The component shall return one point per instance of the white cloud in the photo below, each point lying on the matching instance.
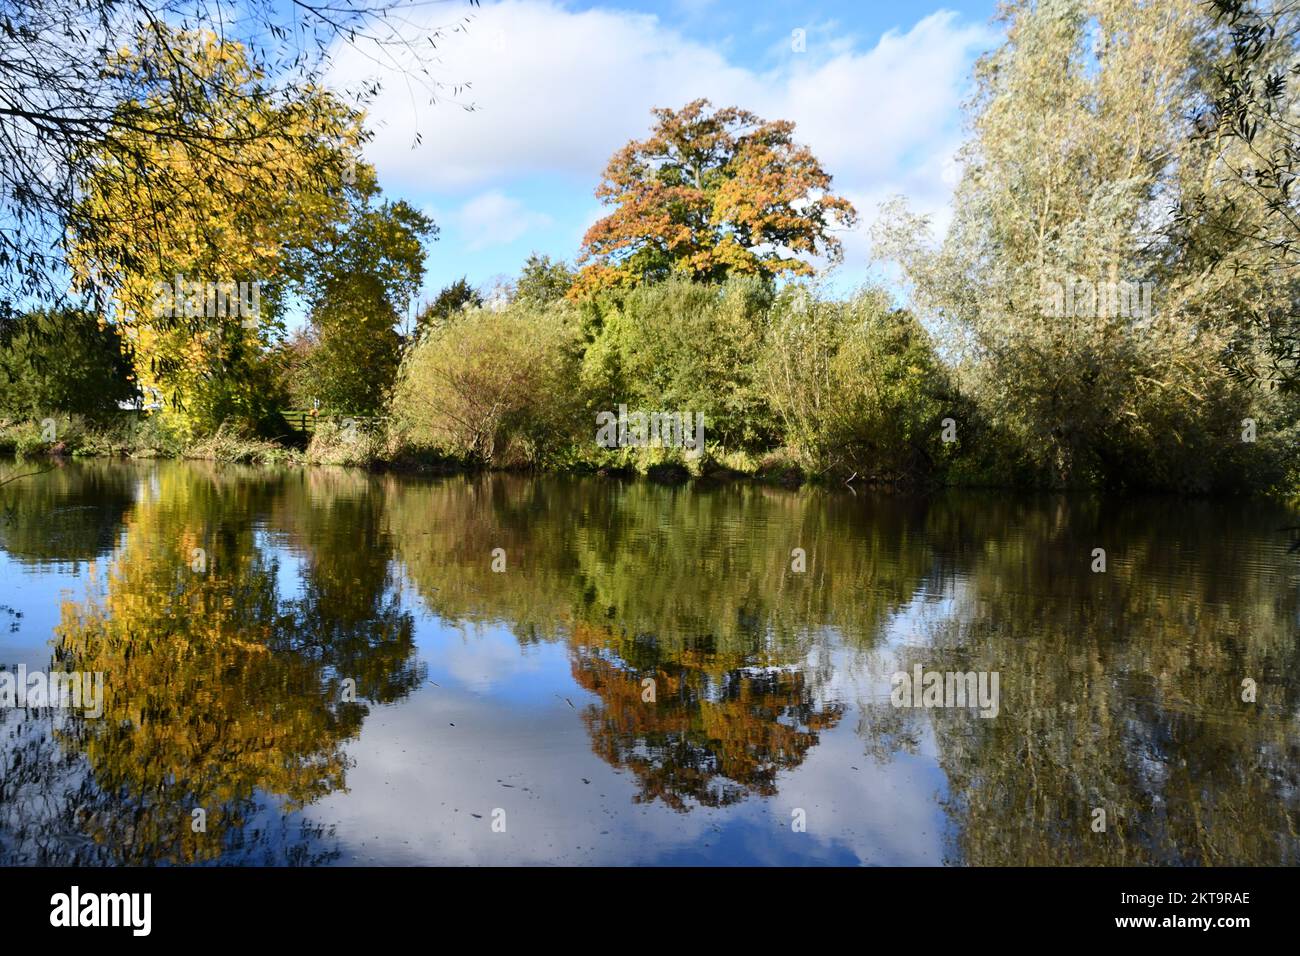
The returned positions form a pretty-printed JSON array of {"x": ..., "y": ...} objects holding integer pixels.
[
  {"x": 556, "y": 91},
  {"x": 493, "y": 218}
]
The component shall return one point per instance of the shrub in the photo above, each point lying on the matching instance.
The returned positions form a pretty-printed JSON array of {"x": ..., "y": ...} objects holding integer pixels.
[
  {"x": 334, "y": 444},
  {"x": 687, "y": 346},
  {"x": 492, "y": 387},
  {"x": 856, "y": 386}
]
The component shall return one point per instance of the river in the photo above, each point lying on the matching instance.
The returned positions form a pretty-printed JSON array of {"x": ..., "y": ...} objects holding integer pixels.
[{"x": 313, "y": 666}]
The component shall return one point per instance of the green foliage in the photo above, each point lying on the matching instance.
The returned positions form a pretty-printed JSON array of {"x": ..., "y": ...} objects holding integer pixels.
[
  {"x": 844, "y": 386},
  {"x": 23, "y": 439},
  {"x": 1082, "y": 141},
  {"x": 856, "y": 386},
  {"x": 250, "y": 402},
  {"x": 62, "y": 361},
  {"x": 357, "y": 350},
  {"x": 682, "y": 346},
  {"x": 493, "y": 387},
  {"x": 1238, "y": 221},
  {"x": 450, "y": 302},
  {"x": 133, "y": 435},
  {"x": 542, "y": 281},
  {"x": 360, "y": 278}
]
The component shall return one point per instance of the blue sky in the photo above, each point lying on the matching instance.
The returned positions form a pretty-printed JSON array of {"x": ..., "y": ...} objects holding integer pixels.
[{"x": 558, "y": 86}]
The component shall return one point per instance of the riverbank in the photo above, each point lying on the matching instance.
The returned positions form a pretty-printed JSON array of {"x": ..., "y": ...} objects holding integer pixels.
[
  {"x": 140, "y": 437},
  {"x": 332, "y": 444}
]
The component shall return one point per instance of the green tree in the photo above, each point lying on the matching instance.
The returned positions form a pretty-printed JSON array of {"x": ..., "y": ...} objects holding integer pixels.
[
  {"x": 450, "y": 302},
  {"x": 62, "y": 360},
  {"x": 1081, "y": 140},
  {"x": 691, "y": 347},
  {"x": 360, "y": 277},
  {"x": 356, "y": 356},
  {"x": 1238, "y": 221},
  {"x": 542, "y": 280}
]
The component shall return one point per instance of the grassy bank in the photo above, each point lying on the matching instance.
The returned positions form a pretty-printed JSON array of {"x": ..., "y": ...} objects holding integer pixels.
[
  {"x": 140, "y": 437},
  {"x": 388, "y": 449},
  {"x": 132, "y": 436}
]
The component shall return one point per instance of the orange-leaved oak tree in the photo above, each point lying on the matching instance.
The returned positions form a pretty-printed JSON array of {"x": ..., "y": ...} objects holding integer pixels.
[{"x": 709, "y": 194}]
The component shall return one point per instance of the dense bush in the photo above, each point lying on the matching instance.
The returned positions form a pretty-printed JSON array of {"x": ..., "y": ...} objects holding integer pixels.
[
  {"x": 493, "y": 387},
  {"x": 797, "y": 385},
  {"x": 62, "y": 361},
  {"x": 681, "y": 346},
  {"x": 855, "y": 385}
]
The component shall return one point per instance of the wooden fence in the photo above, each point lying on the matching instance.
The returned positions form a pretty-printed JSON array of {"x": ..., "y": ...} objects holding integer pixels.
[{"x": 305, "y": 423}]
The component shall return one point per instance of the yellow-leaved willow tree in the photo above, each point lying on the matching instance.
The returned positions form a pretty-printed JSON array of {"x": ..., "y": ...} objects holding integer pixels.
[
  {"x": 220, "y": 693},
  {"x": 206, "y": 184}
]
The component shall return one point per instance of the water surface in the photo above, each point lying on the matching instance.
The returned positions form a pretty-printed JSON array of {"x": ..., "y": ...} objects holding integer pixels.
[{"x": 648, "y": 681}]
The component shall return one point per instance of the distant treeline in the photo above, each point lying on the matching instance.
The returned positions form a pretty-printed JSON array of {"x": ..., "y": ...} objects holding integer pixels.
[{"x": 792, "y": 386}]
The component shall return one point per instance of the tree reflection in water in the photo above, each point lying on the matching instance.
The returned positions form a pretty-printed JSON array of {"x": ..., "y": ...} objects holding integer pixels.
[{"x": 226, "y": 686}]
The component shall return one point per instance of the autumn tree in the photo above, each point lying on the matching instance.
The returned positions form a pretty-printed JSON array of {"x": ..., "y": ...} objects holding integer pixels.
[
  {"x": 711, "y": 193},
  {"x": 63, "y": 108},
  {"x": 207, "y": 365}
]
